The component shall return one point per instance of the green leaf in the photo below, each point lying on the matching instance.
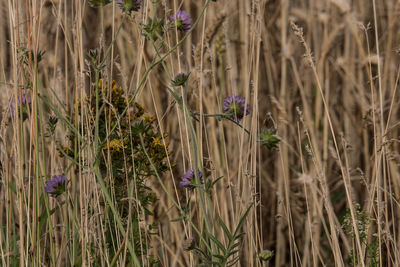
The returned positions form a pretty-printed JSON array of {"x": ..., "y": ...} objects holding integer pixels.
[
  {"x": 12, "y": 187},
  {"x": 225, "y": 228},
  {"x": 46, "y": 215},
  {"x": 211, "y": 185},
  {"x": 232, "y": 262},
  {"x": 234, "y": 245},
  {"x": 56, "y": 111},
  {"x": 178, "y": 219},
  {"x": 269, "y": 138},
  {"x": 219, "y": 244},
  {"x": 176, "y": 96},
  {"x": 232, "y": 252},
  {"x": 116, "y": 256},
  {"x": 242, "y": 220},
  {"x": 219, "y": 257},
  {"x": 238, "y": 236}
]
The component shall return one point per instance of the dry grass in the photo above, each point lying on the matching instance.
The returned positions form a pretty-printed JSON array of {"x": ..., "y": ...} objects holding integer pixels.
[{"x": 324, "y": 73}]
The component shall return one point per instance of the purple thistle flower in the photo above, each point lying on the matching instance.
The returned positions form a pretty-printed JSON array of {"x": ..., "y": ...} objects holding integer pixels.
[
  {"x": 56, "y": 186},
  {"x": 234, "y": 107},
  {"x": 26, "y": 101},
  {"x": 182, "y": 20},
  {"x": 185, "y": 183},
  {"x": 129, "y": 5},
  {"x": 188, "y": 177}
]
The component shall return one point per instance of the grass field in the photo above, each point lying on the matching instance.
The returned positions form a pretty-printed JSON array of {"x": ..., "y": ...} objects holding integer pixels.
[{"x": 199, "y": 133}]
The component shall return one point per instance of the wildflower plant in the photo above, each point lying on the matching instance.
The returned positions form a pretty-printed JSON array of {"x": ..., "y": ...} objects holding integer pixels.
[
  {"x": 269, "y": 138},
  {"x": 154, "y": 29},
  {"x": 182, "y": 20},
  {"x": 265, "y": 255},
  {"x": 235, "y": 107},
  {"x": 129, "y": 5},
  {"x": 23, "y": 106},
  {"x": 56, "y": 186},
  {"x": 24, "y": 102},
  {"x": 224, "y": 255},
  {"x": 112, "y": 137},
  {"x": 180, "y": 79},
  {"x": 188, "y": 177},
  {"x": 51, "y": 126},
  {"x": 362, "y": 222},
  {"x": 116, "y": 162},
  {"x": 30, "y": 56}
]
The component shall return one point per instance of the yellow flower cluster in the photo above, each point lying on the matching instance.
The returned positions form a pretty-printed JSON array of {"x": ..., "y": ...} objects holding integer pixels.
[
  {"x": 115, "y": 145},
  {"x": 148, "y": 118},
  {"x": 156, "y": 142}
]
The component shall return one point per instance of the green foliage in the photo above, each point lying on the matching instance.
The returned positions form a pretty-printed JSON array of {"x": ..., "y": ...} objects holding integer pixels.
[
  {"x": 362, "y": 220},
  {"x": 130, "y": 5},
  {"x": 154, "y": 29},
  {"x": 210, "y": 184},
  {"x": 226, "y": 255},
  {"x": 29, "y": 56},
  {"x": 51, "y": 125},
  {"x": 180, "y": 79},
  {"x": 127, "y": 150},
  {"x": 122, "y": 159},
  {"x": 266, "y": 255},
  {"x": 269, "y": 139}
]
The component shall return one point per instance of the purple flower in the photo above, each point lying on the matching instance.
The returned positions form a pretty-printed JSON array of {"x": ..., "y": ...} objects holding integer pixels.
[
  {"x": 188, "y": 177},
  {"x": 185, "y": 183},
  {"x": 234, "y": 107},
  {"x": 26, "y": 101},
  {"x": 129, "y": 5},
  {"x": 182, "y": 20},
  {"x": 56, "y": 186}
]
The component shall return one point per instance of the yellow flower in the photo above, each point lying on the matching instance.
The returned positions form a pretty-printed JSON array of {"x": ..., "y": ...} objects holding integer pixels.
[
  {"x": 114, "y": 145},
  {"x": 148, "y": 118},
  {"x": 115, "y": 86},
  {"x": 156, "y": 142}
]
